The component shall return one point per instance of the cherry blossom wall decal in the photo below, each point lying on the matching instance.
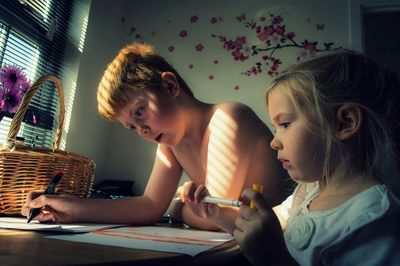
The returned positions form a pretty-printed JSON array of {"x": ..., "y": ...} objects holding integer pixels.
[
  {"x": 264, "y": 55},
  {"x": 273, "y": 37}
]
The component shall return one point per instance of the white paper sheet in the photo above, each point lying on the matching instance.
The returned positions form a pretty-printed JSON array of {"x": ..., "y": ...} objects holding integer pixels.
[
  {"x": 185, "y": 241},
  {"x": 21, "y": 224}
]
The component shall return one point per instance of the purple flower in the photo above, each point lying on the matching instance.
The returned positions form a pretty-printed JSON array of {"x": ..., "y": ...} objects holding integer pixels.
[
  {"x": 11, "y": 76},
  {"x": 13, "y": 85},
  {"x": 10, "y": 100}
]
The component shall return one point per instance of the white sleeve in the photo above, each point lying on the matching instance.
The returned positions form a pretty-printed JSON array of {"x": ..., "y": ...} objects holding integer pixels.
[{"x": 282, "y": 211}]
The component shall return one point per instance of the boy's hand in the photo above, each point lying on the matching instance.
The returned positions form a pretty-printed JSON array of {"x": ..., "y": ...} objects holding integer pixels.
[
  {"x": 56, "y": 208},
  {"x": 192, "y": 195},
  {"x": 258, "y": 231}
]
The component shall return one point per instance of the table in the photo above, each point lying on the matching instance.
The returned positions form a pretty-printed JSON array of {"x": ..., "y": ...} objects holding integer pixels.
[{"x": 28, "y": 248}]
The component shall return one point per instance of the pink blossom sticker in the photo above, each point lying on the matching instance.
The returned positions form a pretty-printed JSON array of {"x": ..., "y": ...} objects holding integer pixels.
[
  {"x": 183, "y": 33},
  {"x": 291, "y": 35},
  {"x": 241, "y": 18},
  {"x": 215, "y": 20},
  {"x": 34, "y": 119},
  {"x": 199, "y": 47},
  {"x": 193, "y": 19},
  {"x": 277, "y": 20}
]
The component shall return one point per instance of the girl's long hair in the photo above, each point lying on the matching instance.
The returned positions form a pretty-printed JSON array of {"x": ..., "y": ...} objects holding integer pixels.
[{"x": 319, "y": 86}]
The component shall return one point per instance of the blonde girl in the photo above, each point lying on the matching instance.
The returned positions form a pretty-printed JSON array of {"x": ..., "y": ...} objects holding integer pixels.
[{"x": 336, "y": 120}]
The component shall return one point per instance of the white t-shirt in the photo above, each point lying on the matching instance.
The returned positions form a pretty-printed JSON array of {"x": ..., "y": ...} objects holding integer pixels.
[{"x": 364, "y": 230}]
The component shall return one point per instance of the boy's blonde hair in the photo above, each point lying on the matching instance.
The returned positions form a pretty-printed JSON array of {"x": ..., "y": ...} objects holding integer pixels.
[
  {"x": 136, "y": 67},
  {"x": 319, "y": 86}
]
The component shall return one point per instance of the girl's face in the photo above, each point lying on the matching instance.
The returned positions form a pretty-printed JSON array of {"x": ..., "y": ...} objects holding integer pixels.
[
  {"x": 299, "y": 150},
  {"x": 154, "y": 116}
]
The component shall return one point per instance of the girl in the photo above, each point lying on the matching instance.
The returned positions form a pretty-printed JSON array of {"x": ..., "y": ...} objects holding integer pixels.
[
  {"x": 336, "y": 118},
  {"x": 221, "y": 145}
]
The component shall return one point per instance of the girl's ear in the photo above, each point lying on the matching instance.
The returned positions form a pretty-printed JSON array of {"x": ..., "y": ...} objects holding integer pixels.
[
  {"x": 349, "y": 118},
  {"x": 170, "y": 83}
]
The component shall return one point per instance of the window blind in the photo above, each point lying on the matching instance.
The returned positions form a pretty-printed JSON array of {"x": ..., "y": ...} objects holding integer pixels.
[{"x": 33, "y": 35}]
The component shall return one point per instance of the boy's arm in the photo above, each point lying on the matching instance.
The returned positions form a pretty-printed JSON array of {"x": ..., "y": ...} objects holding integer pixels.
[
  {"x": 146, "y": 209},
  {"x": 195, "y": 221}
]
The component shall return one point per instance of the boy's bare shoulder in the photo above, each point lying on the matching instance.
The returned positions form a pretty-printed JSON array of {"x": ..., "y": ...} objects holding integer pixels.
[
  {"x": 238, "y": 112},
  {"x": 235, "y": 108},
  {"x": 245, "y": 123}
]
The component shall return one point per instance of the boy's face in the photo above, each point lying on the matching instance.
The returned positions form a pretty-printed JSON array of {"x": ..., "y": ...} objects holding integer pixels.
[
  {"x": 299, "y": 150},
  {"x": 154, "y": 116}
]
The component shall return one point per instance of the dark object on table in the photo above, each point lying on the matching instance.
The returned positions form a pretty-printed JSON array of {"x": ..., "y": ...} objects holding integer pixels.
[{"x": 112, "y": 189}]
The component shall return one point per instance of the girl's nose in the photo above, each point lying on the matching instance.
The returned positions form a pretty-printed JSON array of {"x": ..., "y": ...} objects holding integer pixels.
[{"x": 275, "y": 144}]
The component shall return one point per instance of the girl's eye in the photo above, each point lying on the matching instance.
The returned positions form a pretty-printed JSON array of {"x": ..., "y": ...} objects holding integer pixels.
[
  {"x": 284, "y": 124},
  {"x": 132, "y": 127}
]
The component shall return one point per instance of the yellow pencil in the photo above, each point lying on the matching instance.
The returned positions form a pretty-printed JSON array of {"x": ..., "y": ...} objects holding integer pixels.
[{"x": 258, "y": 188}]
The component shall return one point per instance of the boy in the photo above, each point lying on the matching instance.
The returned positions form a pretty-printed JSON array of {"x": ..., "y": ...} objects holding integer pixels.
[{"x": 222, "y": 146}]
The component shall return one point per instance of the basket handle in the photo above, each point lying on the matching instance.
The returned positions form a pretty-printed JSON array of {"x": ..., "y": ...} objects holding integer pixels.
[{"x": 19, "y": 115}]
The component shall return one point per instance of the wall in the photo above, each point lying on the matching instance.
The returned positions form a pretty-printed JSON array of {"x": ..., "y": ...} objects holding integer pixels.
[
  {"x": 122, "y": 155},
  {"x": 89, "y": 134}
]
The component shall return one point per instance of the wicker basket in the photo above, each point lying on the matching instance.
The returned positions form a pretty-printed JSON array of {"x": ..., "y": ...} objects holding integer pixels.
[{"x": 23, "y": 168}]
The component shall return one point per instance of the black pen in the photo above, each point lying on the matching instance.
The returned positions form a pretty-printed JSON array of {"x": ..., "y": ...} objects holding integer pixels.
[{"x": 49, "y": 191}]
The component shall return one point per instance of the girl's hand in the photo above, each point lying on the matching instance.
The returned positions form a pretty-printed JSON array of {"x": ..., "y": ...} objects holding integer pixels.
[
  {"x": 192, "y": 195},
  {"x": 56, "y": 208},
  {"x": 258, "y": 232}
]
